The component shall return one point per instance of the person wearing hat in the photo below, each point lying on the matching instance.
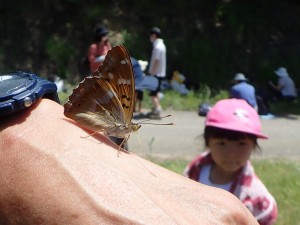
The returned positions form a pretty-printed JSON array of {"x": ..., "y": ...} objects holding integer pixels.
[
  {"x": 232, "y": 128},
  {"x": 99, "y": 48},
  {"x": 157, "y": 68},
  {"x": 285, "y": 88},
  {"x": 243, "y": 90}
]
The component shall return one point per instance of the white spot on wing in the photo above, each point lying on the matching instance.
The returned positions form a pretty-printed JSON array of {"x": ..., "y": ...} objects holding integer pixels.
[
  {"x": 100, "y": 75},
  {"x": 120, "y": 81},
  {"x": 123, "y": 62},
  {"x": 123, "y": 81},
  {"x": 110, "y": 94},
  {"x": 110, "y": 76},
  {"x": 104, "y": 99}
]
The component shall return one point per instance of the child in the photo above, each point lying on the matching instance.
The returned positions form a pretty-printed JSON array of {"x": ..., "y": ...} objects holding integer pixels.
[{"x": 232, "y": 127}]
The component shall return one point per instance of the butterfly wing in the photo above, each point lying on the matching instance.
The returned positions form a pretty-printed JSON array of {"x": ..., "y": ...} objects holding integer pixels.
[
  {"x": 117, "y": 70},
  {"x": 95, "y": 105}
]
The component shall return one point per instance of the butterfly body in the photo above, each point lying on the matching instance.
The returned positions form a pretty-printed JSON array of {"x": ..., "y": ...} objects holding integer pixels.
[
  {"x": 104, "y": 101},
  {"x": 110, "y": 127}
]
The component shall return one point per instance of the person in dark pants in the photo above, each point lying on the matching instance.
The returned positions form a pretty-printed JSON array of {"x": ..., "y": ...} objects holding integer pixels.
[{"x": 157, "y": 67}]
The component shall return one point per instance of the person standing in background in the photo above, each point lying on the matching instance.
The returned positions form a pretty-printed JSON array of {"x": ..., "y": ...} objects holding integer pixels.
[
  {"x": 96, "y": 55},
  {"x": 99, "y": 48},
  {"x": 157, "y": 68}
]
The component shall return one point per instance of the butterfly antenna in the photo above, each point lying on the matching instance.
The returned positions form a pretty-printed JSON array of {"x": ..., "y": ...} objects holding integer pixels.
[
  {"x": 145, "y": 121},
  {"x": 140, "y": 142}
]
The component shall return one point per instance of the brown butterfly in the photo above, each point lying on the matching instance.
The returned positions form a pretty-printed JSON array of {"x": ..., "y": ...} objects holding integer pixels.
[{"x": 104, "y": 101}]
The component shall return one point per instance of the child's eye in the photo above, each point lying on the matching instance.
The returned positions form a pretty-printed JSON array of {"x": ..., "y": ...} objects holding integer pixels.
[
  {"x": 243, "y": 143},
  {"x": 222, "y": 143}
]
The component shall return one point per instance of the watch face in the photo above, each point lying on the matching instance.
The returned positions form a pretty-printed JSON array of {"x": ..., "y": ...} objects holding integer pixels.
[
  {"x": 14, "y": 84},
  {"x": 20, "y": 90}
]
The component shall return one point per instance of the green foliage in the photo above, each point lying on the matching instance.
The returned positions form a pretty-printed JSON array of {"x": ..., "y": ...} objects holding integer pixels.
[
  {"x": 63, "y": 96},
  {"x": 172, "y": 99},
  {"x": 60, "y": 52},
  {"x": 175, "y": 101},
  {"x": 190, "y": 102},
  {"x": 286, "y": 107},
  {"x": 58, "y": 49},
  {"x": 209, "y": 40},
  {"x": 282, "y": 178}
]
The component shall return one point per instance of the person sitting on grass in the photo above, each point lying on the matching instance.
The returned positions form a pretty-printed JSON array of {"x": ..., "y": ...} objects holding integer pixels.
[
  {"x": 232, "y": 127},
  {"x": 285, "y": 88},
  {"x": 243, "y": 90}
]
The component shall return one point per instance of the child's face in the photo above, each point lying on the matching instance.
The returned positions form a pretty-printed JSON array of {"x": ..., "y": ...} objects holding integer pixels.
[{"x": 230, "y": 155}]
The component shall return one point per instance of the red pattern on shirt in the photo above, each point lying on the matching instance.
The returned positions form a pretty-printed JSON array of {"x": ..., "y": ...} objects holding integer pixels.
[{"x": 246, "y": 186}]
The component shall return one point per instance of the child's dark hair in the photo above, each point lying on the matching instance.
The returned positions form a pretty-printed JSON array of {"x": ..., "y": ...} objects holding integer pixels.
[{"x": 215, "y": 132}]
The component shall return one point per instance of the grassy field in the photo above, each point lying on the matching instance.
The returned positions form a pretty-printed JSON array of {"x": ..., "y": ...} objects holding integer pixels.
[
  {"x": 172, "y": 99},
  {"x": 282, "y": 178},
  {"x": 175, "y": 101}
]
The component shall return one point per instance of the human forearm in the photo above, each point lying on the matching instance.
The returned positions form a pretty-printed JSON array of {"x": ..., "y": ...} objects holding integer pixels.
[
  {"x": 154, "y": 67},
  {"x": 51, "y": 175},
  {"x": 276, "y": 87}
]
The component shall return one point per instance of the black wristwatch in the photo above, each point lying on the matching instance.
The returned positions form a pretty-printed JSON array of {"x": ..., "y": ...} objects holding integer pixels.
[{"x": 19, "y": 90}]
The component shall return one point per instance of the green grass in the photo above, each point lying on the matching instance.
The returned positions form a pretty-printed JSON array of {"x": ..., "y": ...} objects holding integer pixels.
[
  {"x": 281, "y": 177},
  {"x": 175, "y": 101},
  {"x": 190, "y": 102},
  {"x": 283, "y": 180},
  {"x": 284, "y": 107}
]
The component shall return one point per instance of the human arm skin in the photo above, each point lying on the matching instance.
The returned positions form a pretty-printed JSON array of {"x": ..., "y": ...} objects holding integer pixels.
[
  {"x": 278, "y": 87},
  {"x": 51, "y": 175},
  {"x": 154, "y": 67}
]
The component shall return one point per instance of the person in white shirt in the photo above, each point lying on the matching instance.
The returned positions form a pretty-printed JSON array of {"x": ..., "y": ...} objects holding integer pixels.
[
  {"x": 157, "y": 68},
  {"x": 285, "y": 88}
]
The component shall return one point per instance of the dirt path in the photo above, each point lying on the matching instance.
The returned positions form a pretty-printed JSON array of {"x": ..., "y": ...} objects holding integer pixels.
[{"x": 184, "y": 140}]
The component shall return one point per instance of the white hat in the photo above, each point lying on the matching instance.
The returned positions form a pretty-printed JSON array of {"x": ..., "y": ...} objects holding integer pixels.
[
  {"x": 240, "y": 77},
  {"x": 281, "y": 72}
]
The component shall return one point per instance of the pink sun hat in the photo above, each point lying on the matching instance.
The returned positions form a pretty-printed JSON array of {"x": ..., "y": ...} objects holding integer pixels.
[{"x": 235, "y": 114}]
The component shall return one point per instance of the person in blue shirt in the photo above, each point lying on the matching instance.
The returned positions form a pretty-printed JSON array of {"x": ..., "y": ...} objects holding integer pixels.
[
  {"x": 138, "y": 77},
  {"x": 243, "y": 90}
]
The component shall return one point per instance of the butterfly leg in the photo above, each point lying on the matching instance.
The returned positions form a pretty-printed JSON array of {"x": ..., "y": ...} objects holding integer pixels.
[
  {"x": 123, "y": 144},
  {"x": 96, "y": 132}
]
